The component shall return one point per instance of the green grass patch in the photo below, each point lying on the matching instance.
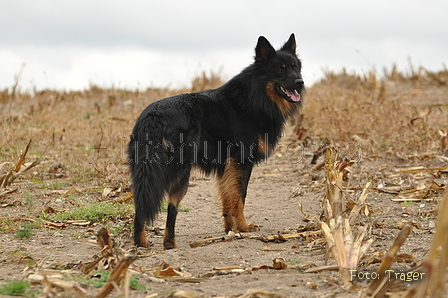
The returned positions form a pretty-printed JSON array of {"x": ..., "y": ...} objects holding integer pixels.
[
  {"x": 296, "y": 264},
  {"x": 99, "y": 278},
  {"x": 15, "y": 288},
  {"x": 37, "y": 181},
  {"x": 7, "y": 225},
  {"x": 57, "y": 185},
  {"x": 96, "y": 212},
  {"x": 80, "y": 179},
  {"x": 79, "y": 235},
  {"x": 21, "y": 255},
  {"x": 29, "y": 201},
  {"x": 134, "y": 283},
  {"x": 27, "y": 196},
  {"x": 406, "y": 203},
  {"x": 117, "y": 228},
  {"x": 25, "y": 231},
  {"x": 52, "y": 186}
]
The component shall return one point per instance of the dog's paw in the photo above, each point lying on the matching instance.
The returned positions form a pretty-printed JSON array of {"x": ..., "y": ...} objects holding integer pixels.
[
  {"x": 140, "y": 240},
  {"x": 169, "y": 244},
  {"x": 144, "y": 244}
]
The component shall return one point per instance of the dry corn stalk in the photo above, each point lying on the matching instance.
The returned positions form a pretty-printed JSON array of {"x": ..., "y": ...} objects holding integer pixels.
[
  {"x": 435, "y": 266},
  {"x": 120, "y": 273},
  {"x": 336, "y": 169},
  {"x": 379, "y": 286},
  {"x": 333, "y": 183},
  {"x": 360, "y": 203},
  {"x": 345, "y": 249},
  {"x": 54, "y": 287},
  {"x": 8, "y": 178},
  {"x": 106, "y": 258}
]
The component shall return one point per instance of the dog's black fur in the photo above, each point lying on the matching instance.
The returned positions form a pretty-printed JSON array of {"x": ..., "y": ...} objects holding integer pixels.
[{"x": 224, "y": 132}]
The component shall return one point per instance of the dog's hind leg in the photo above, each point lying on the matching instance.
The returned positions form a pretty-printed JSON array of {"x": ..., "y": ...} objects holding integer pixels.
[
  {"x": 232, "y": 186},
  {"x": 176, "y": 192},
  {"x": 139, "y": 232}
]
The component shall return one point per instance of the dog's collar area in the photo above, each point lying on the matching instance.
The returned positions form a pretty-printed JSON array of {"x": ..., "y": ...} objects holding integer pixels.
[{"x": 290, "y": 95}]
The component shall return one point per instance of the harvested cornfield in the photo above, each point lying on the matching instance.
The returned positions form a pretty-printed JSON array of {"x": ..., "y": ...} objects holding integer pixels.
[{"x": 349, "y": 204}]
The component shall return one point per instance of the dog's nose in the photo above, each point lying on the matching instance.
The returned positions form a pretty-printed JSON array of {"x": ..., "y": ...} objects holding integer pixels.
[{"x": 299, "y": 82}]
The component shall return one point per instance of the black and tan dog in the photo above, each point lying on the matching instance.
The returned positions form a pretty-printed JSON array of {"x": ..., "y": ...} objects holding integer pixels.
[{"x": 224, "y": 131}]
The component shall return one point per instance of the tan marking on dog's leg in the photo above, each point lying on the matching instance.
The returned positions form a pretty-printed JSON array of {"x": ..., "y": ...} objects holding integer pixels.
[
  {"x": 140, "y": 238},
  {"x": 229, "y": 189},
  {"x": 169, "y": 241}
]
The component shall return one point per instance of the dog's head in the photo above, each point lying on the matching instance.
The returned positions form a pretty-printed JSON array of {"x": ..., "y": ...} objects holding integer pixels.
[{"x": 281, "y": 69}]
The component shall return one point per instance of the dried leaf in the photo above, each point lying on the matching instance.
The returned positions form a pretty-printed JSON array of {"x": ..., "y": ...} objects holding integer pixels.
[
  {"x": 312, "y": 285},
  {"x": 227, "y": 268},
  {"x": 283, "y": 237},
  {"x": 256, "y": 293},
  {"x": 266, "y": 248},
  {"x": 321, "y": 268},
  {"x": 279, "y": 263},
  {"x": 54, "y": 225},
  {"x": 436, "y": 186},
  {"x": 49, "y": 273},
  {"x": 126, "y": 199},
  {"x": 71, "y": 191},
  {"x": 165, "y": 271},
  {"x": 79, "y": 222},
  {"x": 410, "y": 170},
  {"x": 208, "y": 241},
  {"x": 8, "y": 192},
  {"x": 116, "y": 276},
  {"x": 182, "y": 294},
  {"x": 307, "y": 216},
  {"x": 404, "y": 257}
]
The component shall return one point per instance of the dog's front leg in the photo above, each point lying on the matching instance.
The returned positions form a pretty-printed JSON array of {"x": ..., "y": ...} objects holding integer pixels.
[{"x": 232, "y": 187}]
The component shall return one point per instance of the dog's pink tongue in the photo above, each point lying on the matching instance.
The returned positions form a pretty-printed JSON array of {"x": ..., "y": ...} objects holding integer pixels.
[{"x": 294, "y": 95}]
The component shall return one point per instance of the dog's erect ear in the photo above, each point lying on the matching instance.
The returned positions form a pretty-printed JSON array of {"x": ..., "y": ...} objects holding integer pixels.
[
  {"x": 263, "y": 50},
  {"x": 290, "y": 45}
]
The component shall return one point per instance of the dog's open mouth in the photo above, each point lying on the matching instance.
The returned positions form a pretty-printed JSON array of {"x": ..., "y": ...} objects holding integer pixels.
[{"x": 290, "y": 95}]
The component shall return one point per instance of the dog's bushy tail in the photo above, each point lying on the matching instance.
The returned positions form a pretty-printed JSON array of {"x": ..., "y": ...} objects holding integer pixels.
[
  {"x": 150, "y": 178},
  {"x": 149, "y": 191}
]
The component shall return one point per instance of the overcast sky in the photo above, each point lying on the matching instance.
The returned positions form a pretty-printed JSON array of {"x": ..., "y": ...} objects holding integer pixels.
[{"x": 140, "y": 43}]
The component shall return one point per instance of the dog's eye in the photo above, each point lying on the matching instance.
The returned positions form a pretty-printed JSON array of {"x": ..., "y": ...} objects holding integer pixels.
[
  {"x": 282, "y": 68},
  {"x": 294, "y": 66}
]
